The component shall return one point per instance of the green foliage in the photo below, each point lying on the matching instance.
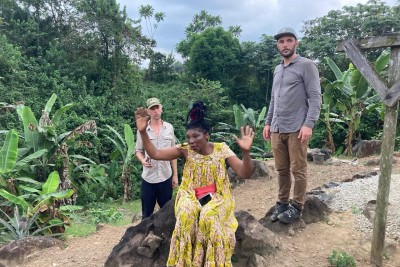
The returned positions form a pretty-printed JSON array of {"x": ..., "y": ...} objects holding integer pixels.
[
  {"x": 352, "y": 97},
  {"x": 81, "y": 229},
  {"x": 42, "y": 199},
  {"x": 13, "y": 160},
  {"x": 9, "y": 152},
  {"x": 161, "y": 68},
  {"x": 341, "y": 259},
  {"x": 10, "y": 59},
  {"x": 97, "y": 183},
  {"x": 253, "y": 80},
  {"x": 99, "y": 215},
  {"x": 147, "y": 12},
  {"x": 125, "y": 148},
  {"x": 20, "y": 226},
  {"x": 356, "y": 210},
  {"x": 373, "y": 18},
  {"x": 214, "y": 55},
  {"x": 244, "y": 116}
]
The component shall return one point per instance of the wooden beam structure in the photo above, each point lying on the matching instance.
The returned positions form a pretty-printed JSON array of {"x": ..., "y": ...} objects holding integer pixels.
[
  {"x": 389, "y": 40},
  {"x": 390, "y": 97}
]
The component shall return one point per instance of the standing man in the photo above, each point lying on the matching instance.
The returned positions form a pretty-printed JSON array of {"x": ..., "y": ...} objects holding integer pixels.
[
  {"x": 293, "y": 110},
  {"x": 158, "y": 178}
]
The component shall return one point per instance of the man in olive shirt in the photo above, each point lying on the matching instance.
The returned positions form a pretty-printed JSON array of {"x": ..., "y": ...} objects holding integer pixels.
[{"x": 293, "y": 110}]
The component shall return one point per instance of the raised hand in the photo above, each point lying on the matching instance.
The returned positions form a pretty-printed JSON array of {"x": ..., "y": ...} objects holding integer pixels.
[
  {"x": 247, "y": 136},
  {"x": 141, "y": 118}
]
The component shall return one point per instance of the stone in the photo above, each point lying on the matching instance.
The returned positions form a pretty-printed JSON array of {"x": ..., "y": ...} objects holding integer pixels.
[
  {"x": 369, "y": 210},
  {"x": 254, "y": 241},
  {"x": 18, "y": 251},
  {"x": 145, "y": 251},
  {"x": 257, "y": 261},
  {"x": 318, "y": 158},
  {"x": 136, "y": 217},
  {"x": 365, "y": 148},
  {"x": 130, "y": 251},
  {"x": 152, "y": 241},
  {"x": 261, "y": 171},
  {"x": 314, "y": 210},
  {"x": 324, "y": 154},
  {"x": 373, "y": 162},
  {"x": 253, "y": 238}
]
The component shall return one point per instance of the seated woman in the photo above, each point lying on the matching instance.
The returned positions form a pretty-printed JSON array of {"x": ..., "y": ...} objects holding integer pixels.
[{"x": 204, "y": 235}]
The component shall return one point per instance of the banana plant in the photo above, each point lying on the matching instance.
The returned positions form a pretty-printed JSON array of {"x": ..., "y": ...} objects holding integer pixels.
[
  {"x": 352, "y": 96},
  {"x": 9, "y": 152},
  {"x": 247, "y": 116},
  {"x": 124, "y": 147},
  {"x": 42, "y": 199},
  {"x": 43, "y": 134},
  {"x": 13, "y": 160}
]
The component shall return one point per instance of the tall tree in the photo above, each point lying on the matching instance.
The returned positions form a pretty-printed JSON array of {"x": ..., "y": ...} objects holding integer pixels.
[
  {"x": 254, "y": 78},
  {"x": 108, "y": 33},
  {"x": 374, "y": 18},
  {"x": 214, "y": 55},
  {"x": 200, "y": 23}
]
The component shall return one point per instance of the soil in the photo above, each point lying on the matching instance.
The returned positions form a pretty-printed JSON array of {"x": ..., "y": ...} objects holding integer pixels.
[{"x": 309, "y": 247}]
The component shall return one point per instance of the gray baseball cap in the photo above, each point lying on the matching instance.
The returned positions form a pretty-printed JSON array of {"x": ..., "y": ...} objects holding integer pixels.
[{"x": 285, "y": 31}]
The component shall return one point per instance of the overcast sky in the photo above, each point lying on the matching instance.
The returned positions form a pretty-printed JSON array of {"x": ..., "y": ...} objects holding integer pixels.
[{"x": 255, "y": 17}]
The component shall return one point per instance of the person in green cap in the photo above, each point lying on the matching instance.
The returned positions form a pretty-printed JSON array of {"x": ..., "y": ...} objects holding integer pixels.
[{"x": 158, "y": 177}]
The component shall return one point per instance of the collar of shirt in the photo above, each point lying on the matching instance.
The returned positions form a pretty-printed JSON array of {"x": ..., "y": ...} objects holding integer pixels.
[
  {"x": 297, "y": 58},
  {"x": 149, "y": 128}
]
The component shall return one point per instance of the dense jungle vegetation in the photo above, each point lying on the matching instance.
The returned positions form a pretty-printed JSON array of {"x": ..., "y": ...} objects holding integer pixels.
[{"x": 71, "y": 76}]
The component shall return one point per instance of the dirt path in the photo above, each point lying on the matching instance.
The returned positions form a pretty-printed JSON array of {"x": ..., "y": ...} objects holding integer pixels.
[
  {"x": 91, "y": 251},
  {"x": 310, "y": 247}
]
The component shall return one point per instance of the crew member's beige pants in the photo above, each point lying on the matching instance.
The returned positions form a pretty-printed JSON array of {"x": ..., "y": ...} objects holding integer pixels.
[{"x": 290, "y": 157}]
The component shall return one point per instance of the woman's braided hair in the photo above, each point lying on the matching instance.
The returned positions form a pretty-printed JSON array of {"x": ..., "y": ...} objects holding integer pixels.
[{"x": 196, "y": 117}]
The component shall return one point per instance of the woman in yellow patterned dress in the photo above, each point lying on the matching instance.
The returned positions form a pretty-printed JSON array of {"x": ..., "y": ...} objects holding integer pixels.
[{"x": 203, "y": 235}]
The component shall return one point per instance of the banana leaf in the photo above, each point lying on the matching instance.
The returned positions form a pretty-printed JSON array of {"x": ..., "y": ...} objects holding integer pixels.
[
  {"x": 51, "y": 184},
  {"x": 9, "y": 152},
  {"x": 14, "y": 199},
  {"x": 59, "y": 112},
  {"x": 29, "y": 158}
]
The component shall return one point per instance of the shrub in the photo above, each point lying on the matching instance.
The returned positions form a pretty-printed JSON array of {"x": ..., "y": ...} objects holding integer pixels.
[
  {"x": 341, "y": 259},
  {"x": 20, "y": 226}
]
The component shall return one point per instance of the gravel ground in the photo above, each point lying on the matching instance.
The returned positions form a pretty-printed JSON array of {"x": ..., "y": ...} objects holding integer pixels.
[{"x": 354, "y": 196}]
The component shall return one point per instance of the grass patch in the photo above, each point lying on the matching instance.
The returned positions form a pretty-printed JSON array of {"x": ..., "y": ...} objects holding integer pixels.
[
  {"x": 85, "y": 222},
  {"x": 341, "y": 259},
  {"x": 356, "y": 210},
  {"x": 79, "y": 230}
]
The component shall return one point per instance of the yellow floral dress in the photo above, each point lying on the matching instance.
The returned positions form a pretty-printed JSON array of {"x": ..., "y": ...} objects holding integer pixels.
[{"x": 204, "y": 236}]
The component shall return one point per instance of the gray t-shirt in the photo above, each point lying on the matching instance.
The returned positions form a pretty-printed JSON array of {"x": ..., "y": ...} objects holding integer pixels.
[
  {"x": 295, "y": 97},
  {"x": 160, "y": 170}
]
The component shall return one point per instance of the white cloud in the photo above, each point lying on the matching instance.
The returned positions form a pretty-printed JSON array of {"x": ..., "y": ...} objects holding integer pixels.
[{"x": 256, "y": 17}]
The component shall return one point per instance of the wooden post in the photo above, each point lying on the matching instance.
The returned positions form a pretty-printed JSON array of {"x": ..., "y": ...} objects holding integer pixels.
[
  {"x": 390, "y": 97},
  {"x": 389, "y": 134}
]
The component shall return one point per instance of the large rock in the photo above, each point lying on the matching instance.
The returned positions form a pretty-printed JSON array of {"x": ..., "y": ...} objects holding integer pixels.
[
  {"x": 147, "y": 244},
  {"x": 313, "y": 152},
  {"x": 18, "y": 252},
  {"x": 365, "y": 148},
  {"x": 261, "y": 171},
  {"x": 314, "y": 210},
  {"x": 253, "y": 238}
]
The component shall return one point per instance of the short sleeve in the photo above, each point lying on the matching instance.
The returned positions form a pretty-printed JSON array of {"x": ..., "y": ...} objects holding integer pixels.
[
  {"x": 226, "y": 151},
  {"x": 139, "y": 143},
  {"x": 183, "y": 146}
]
